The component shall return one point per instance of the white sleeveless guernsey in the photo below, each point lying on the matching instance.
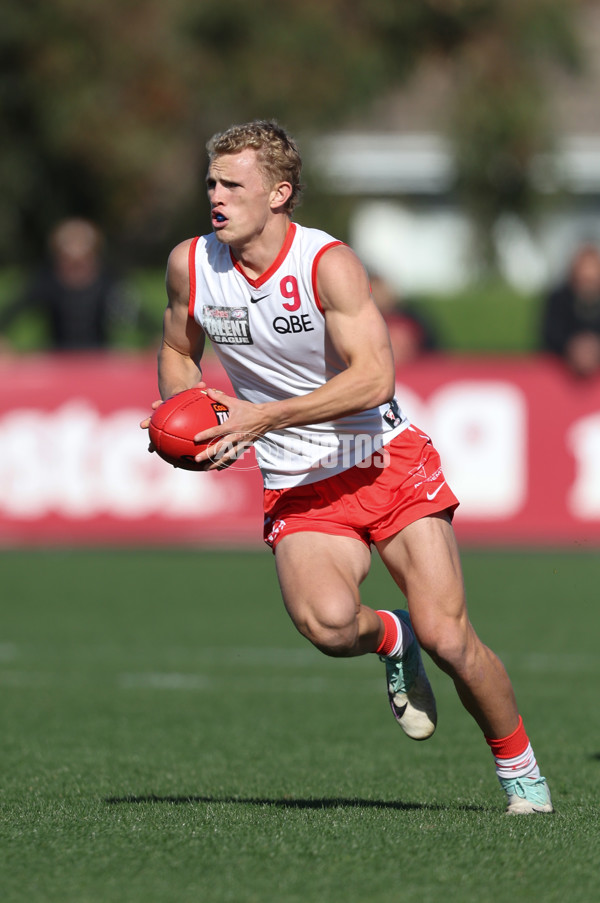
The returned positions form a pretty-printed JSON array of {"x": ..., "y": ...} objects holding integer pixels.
[{"x": 269, "y": 334}]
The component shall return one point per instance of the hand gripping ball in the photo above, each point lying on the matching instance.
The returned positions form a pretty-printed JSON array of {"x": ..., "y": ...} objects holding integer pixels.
[{"x": 178, "y": 419}]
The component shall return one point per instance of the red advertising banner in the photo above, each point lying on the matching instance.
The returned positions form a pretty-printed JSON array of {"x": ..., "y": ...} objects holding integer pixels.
[
  {"x": 75, "y": 467},
  {"x": 520, "y": 445},
  {"x": 519, "y": 439}
]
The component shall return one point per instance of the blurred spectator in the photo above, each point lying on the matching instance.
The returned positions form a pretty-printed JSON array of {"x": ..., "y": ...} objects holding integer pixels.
[
  {"x": 571, "y": 314},
  {"x": 410, "y": 333},
  {"x": 79, "y": 297}
]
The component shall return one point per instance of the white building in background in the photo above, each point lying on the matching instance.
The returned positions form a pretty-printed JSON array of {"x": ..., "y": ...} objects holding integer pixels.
[
  {"x": 427, "y": 246},
  {"x": 400, "y": 169}
]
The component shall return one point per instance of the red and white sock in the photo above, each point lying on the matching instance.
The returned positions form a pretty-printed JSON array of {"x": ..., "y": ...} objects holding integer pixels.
[
  {"x": 513, "y": 755},
  {"x": 397, "y": 637}
]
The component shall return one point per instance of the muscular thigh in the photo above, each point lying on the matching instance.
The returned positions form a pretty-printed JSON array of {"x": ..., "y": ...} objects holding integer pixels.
[{"x": 320, "y": 575}]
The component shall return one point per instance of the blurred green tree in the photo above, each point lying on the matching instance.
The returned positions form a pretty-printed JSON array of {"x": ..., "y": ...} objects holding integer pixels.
[
  {"x": 500, "y": 119},
  {"x": 107, "y": 105}
]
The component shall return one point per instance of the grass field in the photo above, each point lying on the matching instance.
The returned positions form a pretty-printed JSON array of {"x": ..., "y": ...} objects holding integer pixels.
[{"x": 166, "y": 736}]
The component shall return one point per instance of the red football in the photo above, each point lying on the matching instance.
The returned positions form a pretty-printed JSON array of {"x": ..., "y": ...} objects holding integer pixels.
[{"x": 175, "y": 423}]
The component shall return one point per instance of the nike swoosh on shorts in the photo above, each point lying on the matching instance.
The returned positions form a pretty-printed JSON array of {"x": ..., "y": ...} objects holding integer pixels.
[{"x": 432, "y": 495}]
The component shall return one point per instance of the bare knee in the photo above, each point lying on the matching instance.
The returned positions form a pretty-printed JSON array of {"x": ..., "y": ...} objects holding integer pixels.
[
  {"x": 334, "y": 636},
  {"x": 452, "y": 644}
]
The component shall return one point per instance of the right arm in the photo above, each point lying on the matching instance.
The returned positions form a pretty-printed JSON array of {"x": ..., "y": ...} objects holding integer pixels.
[{"x": 183, "y": 339}]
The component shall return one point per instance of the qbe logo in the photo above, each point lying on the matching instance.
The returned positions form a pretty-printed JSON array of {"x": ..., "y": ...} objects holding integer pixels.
[{"x": 295, "y": 324}]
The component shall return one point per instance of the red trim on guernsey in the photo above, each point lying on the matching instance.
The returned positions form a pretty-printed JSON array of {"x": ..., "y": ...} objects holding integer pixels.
[
  {"x": 332, "y": 244},
  {"x": 192, "y": 272},
  {"x": 283, "y": 253}
]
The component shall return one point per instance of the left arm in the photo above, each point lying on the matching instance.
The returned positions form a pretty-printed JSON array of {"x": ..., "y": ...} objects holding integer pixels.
[{"x": 359, "y": 335}]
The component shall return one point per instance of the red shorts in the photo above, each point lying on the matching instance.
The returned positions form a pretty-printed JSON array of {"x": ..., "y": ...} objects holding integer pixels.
[{"x": 401, "y": 484}]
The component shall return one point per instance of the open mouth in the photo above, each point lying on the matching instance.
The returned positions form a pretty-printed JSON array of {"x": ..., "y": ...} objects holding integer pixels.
[{"x": 218, "y": 219}]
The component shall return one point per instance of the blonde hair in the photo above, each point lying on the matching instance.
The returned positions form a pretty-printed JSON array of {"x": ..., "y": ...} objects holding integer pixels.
[{"x": 278, "y": 154}]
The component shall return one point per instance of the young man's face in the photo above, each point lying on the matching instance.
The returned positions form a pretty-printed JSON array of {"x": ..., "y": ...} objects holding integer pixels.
[{"x": 239, "y": 198}]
